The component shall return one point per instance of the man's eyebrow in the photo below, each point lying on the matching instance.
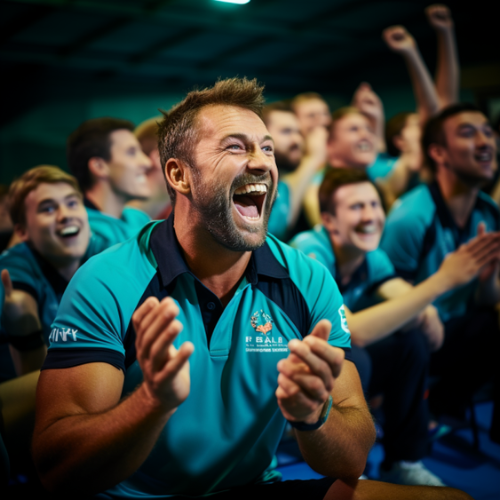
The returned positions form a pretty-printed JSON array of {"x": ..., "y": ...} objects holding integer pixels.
[{"x": 245, "y": 137}]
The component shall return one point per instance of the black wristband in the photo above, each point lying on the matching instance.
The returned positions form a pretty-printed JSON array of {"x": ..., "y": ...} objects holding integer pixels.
[
  {"x": 302, "y": 426},
  {"x": 27, "y": 342}
]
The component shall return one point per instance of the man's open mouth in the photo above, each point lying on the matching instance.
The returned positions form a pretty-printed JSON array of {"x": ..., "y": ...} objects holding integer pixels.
[
  {"x": 249, "y": 200},
  {"x": 68, "y": 231},
  {"x": 364, "y": 146},
  {"x": 484, "y": 156},
  {"x": 368, "y": 229}
]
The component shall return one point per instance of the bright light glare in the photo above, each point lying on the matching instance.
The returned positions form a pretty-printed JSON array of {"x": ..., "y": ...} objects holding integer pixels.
[{"x": 239, "y": 2}]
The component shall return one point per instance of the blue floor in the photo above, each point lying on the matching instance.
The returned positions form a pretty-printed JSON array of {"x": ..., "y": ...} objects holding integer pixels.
[{"x": 453, "y": 458}]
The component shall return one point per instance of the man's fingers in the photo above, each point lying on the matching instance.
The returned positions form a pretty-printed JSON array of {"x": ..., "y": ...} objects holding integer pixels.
[
  {"x": 161, "y": 349},
  {"x": 158, "y": 320},
  {"x": 143, "y": 310},
  {"x": 334, "y": 356},
  {"x": 317, "y": 365},
  {"x": 286, "y": 388},
  {"x": 176, "y": 363},
  {"x": 322, "y": 329},
  {"x": 481, "y": 228},
  {"x": 7, "y": 283}
]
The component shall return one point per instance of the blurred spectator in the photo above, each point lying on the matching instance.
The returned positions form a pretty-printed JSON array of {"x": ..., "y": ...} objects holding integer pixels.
[
  {"x": 158, "y": 206},
  {"x": 46, "y": 207},
  {"x": 431, "y": 221},
  {"x": 106, "y": 158},
  {"x": 311, "y": 110},
  {"x": 396, "y": 335},
  {"x": 298, "y": 160}
]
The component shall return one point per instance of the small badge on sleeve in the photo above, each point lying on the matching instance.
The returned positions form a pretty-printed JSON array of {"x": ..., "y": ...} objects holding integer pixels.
[{"x": 343, "y": 319}]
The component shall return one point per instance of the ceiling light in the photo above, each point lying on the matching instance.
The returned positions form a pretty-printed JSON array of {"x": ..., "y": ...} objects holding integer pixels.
[{"x": 239, "y": 2}]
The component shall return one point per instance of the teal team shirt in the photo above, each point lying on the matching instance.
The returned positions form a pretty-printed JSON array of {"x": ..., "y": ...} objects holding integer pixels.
[
  {"x": 113, "y": 230},
  {"x": 278, "y": 220},
  {"x": 30, "y": 273},
  {"x": 420, "y": 232},
  {"x": 359, "y": 293},
  {"x": 226, "y": 432}
]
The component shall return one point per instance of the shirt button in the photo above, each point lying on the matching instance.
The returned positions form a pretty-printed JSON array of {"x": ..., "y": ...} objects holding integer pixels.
[{"x": 211, "y": 306}]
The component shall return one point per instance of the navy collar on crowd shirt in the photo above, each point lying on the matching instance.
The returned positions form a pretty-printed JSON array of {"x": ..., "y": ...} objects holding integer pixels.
[
  {"x": 171, "y": 263},
  {"x": 461, "y": 235},
  {"x": 88, "y": 204},
  {"x": 56, "y": 281}
]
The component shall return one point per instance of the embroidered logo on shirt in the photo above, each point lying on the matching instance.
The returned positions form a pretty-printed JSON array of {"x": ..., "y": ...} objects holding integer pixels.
[
  {"x": 343, "y": 319},
  {"x": 261, "y": 322},
  {"x": 62, "y": 334}
]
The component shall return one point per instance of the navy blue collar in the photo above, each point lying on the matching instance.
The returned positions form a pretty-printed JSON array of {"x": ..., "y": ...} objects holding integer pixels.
[
  {"x": 56, "y": 280},
  {"x": 171, "y": 263}
]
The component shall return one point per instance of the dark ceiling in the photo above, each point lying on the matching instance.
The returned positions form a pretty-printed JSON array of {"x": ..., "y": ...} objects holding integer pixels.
[{"x": 58, "y": 48}]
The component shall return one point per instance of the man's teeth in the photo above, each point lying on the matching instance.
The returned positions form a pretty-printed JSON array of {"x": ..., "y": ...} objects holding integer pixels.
[
  {"x": 252, "y": 188},
  {"x": 364, "y": 146},
  {"x": 367, "y": 229},
  {"x": 486, "y": 156},
  {"x": 69, "y": 230}
]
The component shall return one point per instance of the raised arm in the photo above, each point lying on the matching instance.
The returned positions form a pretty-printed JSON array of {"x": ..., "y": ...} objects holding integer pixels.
[
  {"x": 448, "y": 69},
  {"x": 23, "y": 326},
  {"x": 401, "y": 42},
  {"x": 300, "y": 180},
  {"x": 459, "y": 267},
  {"x": 85, "y": 438},
  {"x": 369, "y": 103}
]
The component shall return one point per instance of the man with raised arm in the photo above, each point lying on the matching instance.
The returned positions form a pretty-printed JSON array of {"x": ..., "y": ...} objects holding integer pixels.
[
  {"x": 431, "y": 221},
  {"x": 198, "y": 340},
  {"x": 107, "y": 159},
  {"x": 298, "y": 159}
]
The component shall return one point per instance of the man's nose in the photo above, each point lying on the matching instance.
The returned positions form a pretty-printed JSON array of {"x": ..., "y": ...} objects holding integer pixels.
[{"x": 260, "y": 160}]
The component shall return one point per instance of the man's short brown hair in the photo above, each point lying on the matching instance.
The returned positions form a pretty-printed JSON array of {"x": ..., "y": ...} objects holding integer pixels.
[
  {"x": 178, "y": 131},
  {"x": 334, "y": 179},
  {"x": 147, "y": 134},
  {"x": 340, "y": 113},
  {"x": 278, "y": 106},
  {"x": 30, "y": 180},
  {"x": 305, "y": 96}
]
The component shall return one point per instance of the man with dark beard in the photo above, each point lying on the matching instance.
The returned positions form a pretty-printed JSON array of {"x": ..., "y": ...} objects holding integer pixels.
[
  {"x": 431, "y": 221},
  {"x": 298, "y": 160},
  {"x": 129, "y": 408}
]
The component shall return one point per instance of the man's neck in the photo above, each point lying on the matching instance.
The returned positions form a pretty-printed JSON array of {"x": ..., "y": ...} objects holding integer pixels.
[
  {"x": 105, "y": 199},
  {"x": 218, "y": 268},
  {"x": 459, "y": 197},
  {"x": 66, "y": 270},
  {"x": 348, "y": 260}
]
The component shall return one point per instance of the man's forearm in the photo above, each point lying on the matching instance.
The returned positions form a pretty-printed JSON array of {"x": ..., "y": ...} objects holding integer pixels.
[
  {"x": 423, "y": 86},
  {"x": 92, "y": 452},
  {"x": 340, "y": 447},
  {"x": 447, "y": 74},
  {"x": 298, "y": 182},
  {"x": 379, "y": 321}
]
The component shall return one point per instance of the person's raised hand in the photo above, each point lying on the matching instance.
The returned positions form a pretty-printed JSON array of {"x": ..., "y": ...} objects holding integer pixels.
[
  {"x": 477, "y": 257},
  {"x": 20, "y": 310},
  {"x": 398, "y": 39},
  {"x": 315, "y": 144},
  {"x": 307, "y": 377},
  {"x": 165, "y": 368},
  {"x": 439, "y": 17},
  {"x": 368, "y": 102}
]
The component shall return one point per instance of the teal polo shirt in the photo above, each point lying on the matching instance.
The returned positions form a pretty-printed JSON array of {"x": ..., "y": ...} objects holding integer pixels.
[
  {"x": 31, "y": 273},
  {"x": 420, "y": 232},
  {"x": 278, "y": 220},
  {"x": 113, "y": 230},
  {"x": 375, "y": 269},
  {"x": 226, "y": 432}
]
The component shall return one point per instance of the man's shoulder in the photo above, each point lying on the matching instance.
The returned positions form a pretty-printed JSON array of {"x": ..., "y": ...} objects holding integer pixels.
[
  {"x": 316, "y": 244},
  {"x": 488, "y": 207},
  {"x": 19, "y": 256},
  {"x": 416, "y": 206},
  {"x": 135, "y": 216}
]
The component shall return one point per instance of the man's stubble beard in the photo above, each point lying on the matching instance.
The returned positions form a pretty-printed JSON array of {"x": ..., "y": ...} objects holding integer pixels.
[{"x": 215, "y": 210}]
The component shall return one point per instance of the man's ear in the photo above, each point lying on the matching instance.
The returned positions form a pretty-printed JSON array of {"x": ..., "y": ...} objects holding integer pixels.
[
  {"x": 438, "y": 154},
  {"x": 21, "y": 232},
  {"x": 98, "y": 168},
  {"x": 178, "y": 175},
  {"x": 329, "y": 222}
]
